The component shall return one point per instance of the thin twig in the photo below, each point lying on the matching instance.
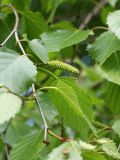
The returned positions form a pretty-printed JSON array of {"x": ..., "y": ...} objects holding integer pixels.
[
  {"x": 100, "y": 27},
  {"x": 49, "y": 72},
  {"x": 58, "y": 137},
  {"x": 8, "y": 37},
  {"x": 42, "y": 114},
  {"x": 6, "y": 151},
  {"x": 16, "y": 23},
  {"x": 19, "y": 43},
  {"x": 94, "y": 12}
]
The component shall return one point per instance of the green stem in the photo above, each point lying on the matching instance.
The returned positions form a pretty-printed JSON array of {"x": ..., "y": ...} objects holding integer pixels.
[
  {"x": 100, "y": 125},
  {"x": 45, "y": 70},
  {"x": 100, "y": 27}
]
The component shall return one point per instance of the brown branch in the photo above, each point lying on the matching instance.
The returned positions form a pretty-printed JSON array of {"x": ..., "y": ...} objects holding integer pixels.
[
  {"x": 62, "y": 139},
  {"x": 93, "y": 13}
]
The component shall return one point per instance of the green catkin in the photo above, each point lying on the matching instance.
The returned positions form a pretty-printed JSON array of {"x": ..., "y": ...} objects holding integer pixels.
[{"x": 63, "y": 66}]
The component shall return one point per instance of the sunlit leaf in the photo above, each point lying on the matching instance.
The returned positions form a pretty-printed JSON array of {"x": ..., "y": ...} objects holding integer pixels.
[
  {"x": 17, "y": 72},
  {"x": 59, "y": 39},
  {"x": 109, "y": 147},
  {"x": 9, "y": 106},
  {"x": 113, "y": 22},
  {"x": 98, "y": 49},
  {"x": 39, "y": 49}
]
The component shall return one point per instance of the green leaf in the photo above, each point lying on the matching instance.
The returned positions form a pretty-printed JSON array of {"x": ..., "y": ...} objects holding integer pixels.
[
  {"x": 53, "y": 5},
  {"x": 106, "y": 44},
  {"x": 71, "y": 151},
  {"x": 3, "y": 127},
  {"x": 59, "y": 39},
  {"x": 72, "y": 104},
  {"x": 28, "y": 148},
  {"x": 83, "y": 98},
  {"x": 48, "y": 108},
  {"x": 111, "y": 68},
  {"x": 112, "y": 97},
  {"x": 16, "y": 131},
  {"x": 33, "y": 24},
  {"x": 86, "y": 146},
  {"x": 16, "y": 72},
  {"x": 20, "y": 5},
  {"x": 113, "y": 2},
  {"x": 9, "y": 106},
  {"x": 92, "y": 156},
  {"x": 116, "y": 127},
  {"x": 68, "y": 151},
  {"x": 109, "y": 147},
  {"x": 113, "y": 22},
  {"x": 39, "y": 49},
  {"x": 66, "y": 25}
]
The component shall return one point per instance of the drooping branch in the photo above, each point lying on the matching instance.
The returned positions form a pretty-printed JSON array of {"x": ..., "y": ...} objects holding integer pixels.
[
  {"x": 94, "y": 12},
  {"x": 15, "y": 32}
]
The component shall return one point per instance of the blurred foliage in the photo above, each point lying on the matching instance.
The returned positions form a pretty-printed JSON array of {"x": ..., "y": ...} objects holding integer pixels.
[{"x": 80, "y": 98}]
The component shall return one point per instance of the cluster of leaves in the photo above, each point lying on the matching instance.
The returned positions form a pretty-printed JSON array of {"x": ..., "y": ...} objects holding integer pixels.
[{"x": 76, "y": 77}]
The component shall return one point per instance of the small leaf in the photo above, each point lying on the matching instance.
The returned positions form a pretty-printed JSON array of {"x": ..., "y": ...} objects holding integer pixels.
[
  {"x": 86, "y": 146},
  {"x": 9, "y": 106},
  {"x": 106, "y": 44},
  {"x": 113, "y": 22},
  {"x": 39, "y": 49},
  {"x": 59, "y": 39}
]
